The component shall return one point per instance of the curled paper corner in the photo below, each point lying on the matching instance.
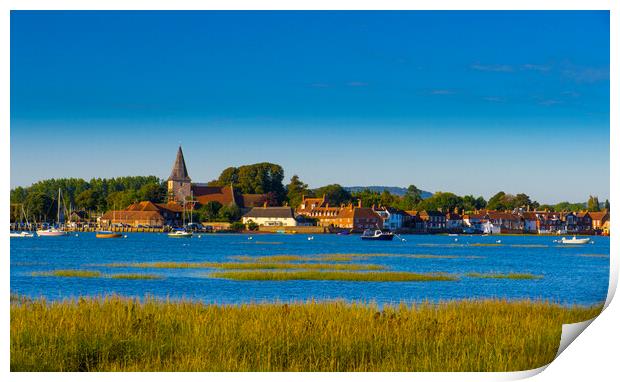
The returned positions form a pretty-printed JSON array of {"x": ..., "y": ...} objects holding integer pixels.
[{"x": 570, "y": 332}]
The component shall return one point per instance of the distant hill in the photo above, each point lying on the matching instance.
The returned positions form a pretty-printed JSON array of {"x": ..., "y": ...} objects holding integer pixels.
[{"x": 400, "y": 191}]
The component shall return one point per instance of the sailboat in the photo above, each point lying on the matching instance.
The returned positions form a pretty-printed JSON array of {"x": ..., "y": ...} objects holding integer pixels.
[
  {"x": 109, "y": 234},
  {"x": 23, "y": 233},
  {"x": 181, "y": 232},
  {"x": 55, "y": 232}
]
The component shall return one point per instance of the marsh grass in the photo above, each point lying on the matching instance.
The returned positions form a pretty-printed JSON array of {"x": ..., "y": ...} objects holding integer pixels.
[
  {"x": 332, "y": 276},
  {"x": 595, "y": 255},
  {"x": 118, "y": 334},
  {"x": 68, "y": 273},
  {"x": 95, "y": 274},
  {"x": 249, "y": 265},
  {"x": 515, "y": 276},
  {"x": 135, "y": 276},
  {"x": 485, "y": 245},
  {"x": 344, "y": 257},
  {"x": 529, "y": 245}
]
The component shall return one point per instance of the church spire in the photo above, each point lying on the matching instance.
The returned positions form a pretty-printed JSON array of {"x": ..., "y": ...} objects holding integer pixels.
[{"x": 179, "y": 170}]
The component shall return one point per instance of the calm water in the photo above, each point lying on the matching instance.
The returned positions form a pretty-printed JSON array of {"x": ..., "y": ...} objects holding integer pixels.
[{"x": 568, "y": 277}]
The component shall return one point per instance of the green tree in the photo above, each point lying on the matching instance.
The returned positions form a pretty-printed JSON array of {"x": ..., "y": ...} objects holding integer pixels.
[
  {"x": 87, "y": 199},
  {"x": 593, "y": 204},
  {"x": 367, "y": 197},
  {"x": 471, "y": 203},
  {"x": 444, "y": 201},
  {"x": 497, "y": 202},
  {"x": 412, "y": 197},
  {"x": 295, "y": 190},
  {"x": 154, "y": 192},
  {"x": 209, "y": 211},
  {"x": 546, "y": 207},
  {"x": 229, "y": 213},
  {"x": 120, "y": 200},
  {"x": 335, "y": 194},
  {"x": 252, "y": 226},
  {"x": 39, "y": 206},
  {"x": 607, "y": 204},
  {"x": 387, "y": 199}
]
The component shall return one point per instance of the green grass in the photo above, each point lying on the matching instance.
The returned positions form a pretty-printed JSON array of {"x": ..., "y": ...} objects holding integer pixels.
[
  {"x": 344, "y": 257},
  {"x": 82, "y": 273},
  {"x": 332, "y": 275},
  {"x": 515, "y": 276},
  {"x": 254, "y": 265},
  {"x": 68, "y": 273},
  {"x": 135, "y": 276},
  {"x": 485, "y": 245},
  {"x": 117, "y": 334},
  {"x": 594, "y": 255}
]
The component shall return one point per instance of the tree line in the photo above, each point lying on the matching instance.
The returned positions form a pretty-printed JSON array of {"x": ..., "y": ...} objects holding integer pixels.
[{"x": 99, "y": 195}]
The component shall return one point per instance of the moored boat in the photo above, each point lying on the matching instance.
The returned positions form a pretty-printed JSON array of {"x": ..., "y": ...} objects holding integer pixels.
[
  {"x": 575, "y": 240},
  {"x": 21, "y": 234},
  {"x": 180, "y": 234},
  {"x": 377, "y": 234},
  {"x": 52, "y": 232},
  {"x": 107, "y": 235}
]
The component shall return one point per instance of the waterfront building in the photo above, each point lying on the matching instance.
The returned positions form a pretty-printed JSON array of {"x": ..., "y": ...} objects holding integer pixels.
[
  {"x": 454, "y": 222},
  {"x": 132, "y": 219},
  {"x": 393, "y": 218},
  {"x": 599, "y": 219},
  {"x": 271, "y": 216},
  {"x": 414, "y": 222},
  {"x": 435, "y": 221},
  {"x": 358, "y": 218},
  {"x": 319, "y": 209}
]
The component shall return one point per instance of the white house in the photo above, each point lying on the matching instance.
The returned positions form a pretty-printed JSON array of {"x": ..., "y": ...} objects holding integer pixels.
[
  {"x": 393, "y": 219},
  {"x": 271, "y": 216}
]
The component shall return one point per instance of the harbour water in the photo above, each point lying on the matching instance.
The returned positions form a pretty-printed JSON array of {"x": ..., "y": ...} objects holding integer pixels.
[{"x": 570, "y": 274}]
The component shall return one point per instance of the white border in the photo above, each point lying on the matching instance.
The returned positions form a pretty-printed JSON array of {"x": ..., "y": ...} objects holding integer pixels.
[{"x": 591, "y": 356}]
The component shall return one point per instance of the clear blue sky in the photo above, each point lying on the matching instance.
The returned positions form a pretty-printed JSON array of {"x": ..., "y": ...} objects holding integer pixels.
[{"x": 468, "y": 102}]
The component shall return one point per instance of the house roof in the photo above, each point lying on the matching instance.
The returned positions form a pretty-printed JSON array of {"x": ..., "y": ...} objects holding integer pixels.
[
  {"x": 599, "y": 215},
  {"x": 179, "y": 170},
  {"x": 252, "y": 200},
  {"x": 222, "y": 194},
  {"x": 142, "y": 206},
  {"x": 270, "y": 212},
  {"x": 132, "y": 215}
]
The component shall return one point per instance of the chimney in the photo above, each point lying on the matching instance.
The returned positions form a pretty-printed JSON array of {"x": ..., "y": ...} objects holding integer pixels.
[
  {"x": 265, "y": 204},
  {"x": 327, "y": 205},
  {"x": 359, "y": 203},
  {"x": 373, "y": 206}
]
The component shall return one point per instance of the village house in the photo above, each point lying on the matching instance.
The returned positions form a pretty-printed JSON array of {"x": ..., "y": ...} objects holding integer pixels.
[
  {"x": 454, "y": 222},
  {"x": 393, "y": 218},
  {"x": 271, "y": 216},
  {"x": 413, "y": 222},
  {"x": 319, "y": 209},
  {"x": 502, "y": 222},
  {"x": 358, "y": 218},
  {"x": 599, "y": 219},
  {"x": 145, "y": 214},
  {"x": 435, "y": 221}
]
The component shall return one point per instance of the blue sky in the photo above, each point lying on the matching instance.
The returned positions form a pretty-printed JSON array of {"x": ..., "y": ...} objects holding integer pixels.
[{"x": 468, "y": 102}]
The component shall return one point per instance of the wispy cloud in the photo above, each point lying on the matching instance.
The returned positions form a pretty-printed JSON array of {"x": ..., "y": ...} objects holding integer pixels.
[
  {"x": 492, "y": 68},
  {"x": 586, "y": 75},
  {"x": 549, "y": 102},
  {"x": 442, "y": 92},
  {"x": 536, "y": 67},
  {"x": 357, "y": 84},
  {"x": 493, "y": 99},
  {"x": 319, "y": 85}
]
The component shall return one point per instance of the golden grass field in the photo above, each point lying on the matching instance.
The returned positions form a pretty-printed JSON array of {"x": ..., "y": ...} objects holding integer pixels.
[
  {"x": 331, "y": 275},
  {"x": 118, "y": 334}
]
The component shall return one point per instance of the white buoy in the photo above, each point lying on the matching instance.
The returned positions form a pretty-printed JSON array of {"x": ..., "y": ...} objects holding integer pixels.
[
  {"x": 125, "y": 236},
  {"x": 310, "y": 237},
  {"x": 76, "y": 235},
  {"x": 456, "y": 239},
  {"x": 498, "y": 241},
  {"x": 199, "y": 236},
  {"x": 249, "y": 237}
]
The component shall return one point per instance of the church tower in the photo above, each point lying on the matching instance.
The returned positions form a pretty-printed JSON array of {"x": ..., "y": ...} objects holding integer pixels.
[{"x": 179, "y": 182}]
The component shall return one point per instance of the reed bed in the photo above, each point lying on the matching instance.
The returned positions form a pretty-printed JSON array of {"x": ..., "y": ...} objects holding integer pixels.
[
  {"x": 119, "y": 334},
  {"x": 485, "y": 245},
  {"x": 68, "y": 273},
  {"x": 529, "y": 245},
  {"x": 249, "y": 265},
  {"x": 95, "y": 274},
  {"x": 515, "y": 276},
  {"x": 595, "y": 255},
  {"x": 332, "y": 276},
  {"x": 135, "y": 276}
]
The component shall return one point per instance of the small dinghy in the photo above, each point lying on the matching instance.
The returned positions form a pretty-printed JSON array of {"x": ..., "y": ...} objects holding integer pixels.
[
  {"x": 575, "y": 240},
  {"x": 180, "y": 234},
  {"x": 108, "y": 235}
]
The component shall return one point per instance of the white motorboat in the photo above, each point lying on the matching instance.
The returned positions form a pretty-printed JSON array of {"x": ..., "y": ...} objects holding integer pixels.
[
  {"x": 574, "y": 240},
  {"x": 180, "y": 234},
  {"x": 21, "y": 234}
]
